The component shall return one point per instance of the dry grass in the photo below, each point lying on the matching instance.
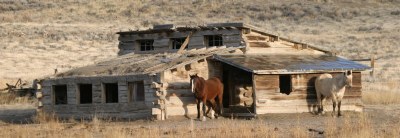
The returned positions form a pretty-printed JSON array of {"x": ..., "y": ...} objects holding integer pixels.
[
  {"x": 349, "y": 127},
  {"x": 380, "y": 91},
  {"x": 7, "y": 98},
  {"x": 381, "y": 97}
]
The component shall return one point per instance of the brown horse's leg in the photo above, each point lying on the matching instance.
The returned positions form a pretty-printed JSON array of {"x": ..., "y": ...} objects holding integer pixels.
[
  {"x": 220, "y": 108},
  {"x": 211, "y": 104},
  {"x": 198, "y": 108},
  {"x": 204, "y": 109}
]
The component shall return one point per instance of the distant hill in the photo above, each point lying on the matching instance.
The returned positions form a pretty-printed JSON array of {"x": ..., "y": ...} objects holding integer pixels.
[{"x": 38, "y": 36}]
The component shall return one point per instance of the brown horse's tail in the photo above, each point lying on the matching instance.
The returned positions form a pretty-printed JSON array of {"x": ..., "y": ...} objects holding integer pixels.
[{"x": 220, "y": 97}]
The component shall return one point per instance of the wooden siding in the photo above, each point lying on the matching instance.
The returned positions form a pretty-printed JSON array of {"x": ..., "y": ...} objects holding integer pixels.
[
  {"x": 98, "y": 107},
  {"x": 302, "y": 98},
  {"x": 128, "y": 44},
  {"x": 257, "y": 43}
]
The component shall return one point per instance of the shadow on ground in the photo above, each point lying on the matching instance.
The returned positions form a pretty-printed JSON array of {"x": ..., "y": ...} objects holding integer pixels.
[{"x": 17, "y": 114}]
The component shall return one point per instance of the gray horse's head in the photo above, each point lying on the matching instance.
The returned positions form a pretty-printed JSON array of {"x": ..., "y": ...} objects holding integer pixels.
[{"x": 348, "y": 78}]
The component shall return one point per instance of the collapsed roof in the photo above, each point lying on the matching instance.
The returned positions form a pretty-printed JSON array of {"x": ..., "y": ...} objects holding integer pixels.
[{"x": 134, "y": 64}]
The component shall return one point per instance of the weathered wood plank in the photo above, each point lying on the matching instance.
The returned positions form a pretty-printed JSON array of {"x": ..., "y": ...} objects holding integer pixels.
[
  {"x": 259, "y": 44},
  {"x": 232, "y": 38},
  {"x": 196, "y": 41},
  {"x": 161, "y": 42}
]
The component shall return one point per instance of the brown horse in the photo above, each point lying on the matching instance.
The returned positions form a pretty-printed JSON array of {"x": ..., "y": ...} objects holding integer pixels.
[{"x": 206, "y": 90}]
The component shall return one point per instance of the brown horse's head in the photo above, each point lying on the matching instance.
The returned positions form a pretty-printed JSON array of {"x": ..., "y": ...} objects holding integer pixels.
[{"x": 193, "y": 79}]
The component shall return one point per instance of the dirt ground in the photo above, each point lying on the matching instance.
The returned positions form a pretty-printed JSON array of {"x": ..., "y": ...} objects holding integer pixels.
[{"x": 381, "y": 117}]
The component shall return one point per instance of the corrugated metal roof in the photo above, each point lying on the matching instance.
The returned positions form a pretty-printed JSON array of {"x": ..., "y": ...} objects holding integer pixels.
[{"x": 285, "y": 64}]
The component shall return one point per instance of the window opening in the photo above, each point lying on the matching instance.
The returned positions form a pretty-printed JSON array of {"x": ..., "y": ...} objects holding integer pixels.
[
  {"x": 146, "y": 45},
  {"x": 214, "y": 40},
  {"x": 285, "y": 84},
  {"x": 60, "y": 94},
  {"x": 111, "y": 92},
  {"x": 85, "y": 93}
]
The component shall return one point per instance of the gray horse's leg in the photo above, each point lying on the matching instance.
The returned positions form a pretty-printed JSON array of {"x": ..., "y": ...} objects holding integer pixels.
[
  {"x": 319, "y": 103},
  {"x": 339, "y": 104},
  {"x": 334, "y": 106},
  {"x": 334, "y": 101},
  {"x": 322, "y": 104}
]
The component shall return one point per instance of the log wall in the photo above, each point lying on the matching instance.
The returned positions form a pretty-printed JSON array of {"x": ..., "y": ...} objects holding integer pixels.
[
  {"x": 128, "y": 43},
  {"x": 267, "y": 44},
  {"x": 98, "y": 107},
  {"x": 302, "y": 97}
]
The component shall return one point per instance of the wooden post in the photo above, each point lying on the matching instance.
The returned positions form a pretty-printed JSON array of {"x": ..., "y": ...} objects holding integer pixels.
[
  {"x": 372, "y": 66},
  {"x": 183, "y": 46}
]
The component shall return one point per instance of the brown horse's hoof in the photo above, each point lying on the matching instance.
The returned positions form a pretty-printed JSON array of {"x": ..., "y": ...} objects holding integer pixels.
[{"x": 204, "y": 118}]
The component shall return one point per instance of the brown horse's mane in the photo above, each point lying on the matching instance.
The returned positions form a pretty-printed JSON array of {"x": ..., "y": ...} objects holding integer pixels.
[{"x": 201, "y": 81}]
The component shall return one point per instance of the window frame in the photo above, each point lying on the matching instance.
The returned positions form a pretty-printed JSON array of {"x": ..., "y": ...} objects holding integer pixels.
[
  {"x": 133, "y": 90},
  {"x": 174, "y": 40},
  {"x": 214, "y": 40},
  {"x": 145, "y": 45}
]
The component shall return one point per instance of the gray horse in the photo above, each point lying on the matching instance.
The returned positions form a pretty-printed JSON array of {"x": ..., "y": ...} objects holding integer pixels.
[{"x": 327, "y": 86}]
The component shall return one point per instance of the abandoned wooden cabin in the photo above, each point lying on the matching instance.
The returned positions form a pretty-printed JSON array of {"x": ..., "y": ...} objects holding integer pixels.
[{"x": 262, "y": 73}]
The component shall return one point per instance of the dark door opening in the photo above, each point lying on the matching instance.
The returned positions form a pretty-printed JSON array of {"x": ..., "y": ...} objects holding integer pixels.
[
  {"x": 85, "y": 93},
  {"x": 285, "y": 84},
  {"x": 60, "y": 94},
  {"x": 238, "y": 90},
  {"x": 226, "y": 95},
  {"x": 111, "y": 92}
]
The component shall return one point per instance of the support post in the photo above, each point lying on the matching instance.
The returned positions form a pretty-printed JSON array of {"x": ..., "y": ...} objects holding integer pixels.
[{"x": 372, "y": 66}]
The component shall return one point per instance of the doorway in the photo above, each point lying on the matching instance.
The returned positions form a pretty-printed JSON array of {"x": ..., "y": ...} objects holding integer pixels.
[{"x": 238, "y": 90}]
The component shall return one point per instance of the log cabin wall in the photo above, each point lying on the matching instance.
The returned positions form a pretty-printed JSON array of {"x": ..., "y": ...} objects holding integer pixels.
[
  {"x": 180, "y": 99},
  {"x": 98, "y": 107},
  {"x": 301, "y": 98},
  {"x": 128, "y": 43},
  {"x": 258, "y": 43}
]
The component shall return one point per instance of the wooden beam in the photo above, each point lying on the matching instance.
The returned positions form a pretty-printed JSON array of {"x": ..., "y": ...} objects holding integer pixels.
[
  {"x": 183, "y": 46},
  {"x": 372, "y": 66}
]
